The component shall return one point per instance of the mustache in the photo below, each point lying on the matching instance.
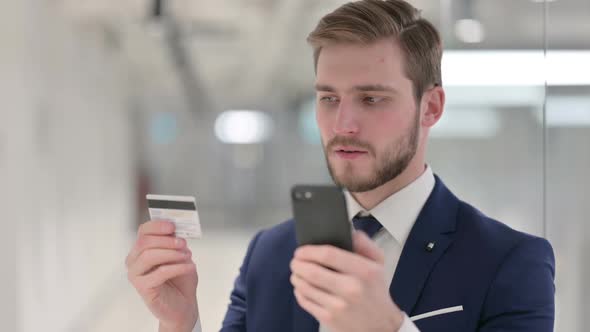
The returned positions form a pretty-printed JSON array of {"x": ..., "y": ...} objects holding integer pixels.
[{"x": 350, "y": 141}]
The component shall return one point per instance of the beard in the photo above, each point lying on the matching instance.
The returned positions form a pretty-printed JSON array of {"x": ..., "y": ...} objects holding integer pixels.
[{"x": 394, "y": 160}]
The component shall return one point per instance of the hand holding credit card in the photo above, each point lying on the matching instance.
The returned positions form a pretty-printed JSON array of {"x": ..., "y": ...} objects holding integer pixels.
[{"x": 180, "y": 210}]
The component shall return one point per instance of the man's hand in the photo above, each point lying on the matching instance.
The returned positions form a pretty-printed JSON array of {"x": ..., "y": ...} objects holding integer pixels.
[
  {"x": 345, "y": 291},
  {"x": 161, "y": 269}
]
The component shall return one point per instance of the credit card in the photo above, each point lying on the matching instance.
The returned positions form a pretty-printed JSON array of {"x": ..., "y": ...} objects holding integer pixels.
[{"x": 181, "y": 210}]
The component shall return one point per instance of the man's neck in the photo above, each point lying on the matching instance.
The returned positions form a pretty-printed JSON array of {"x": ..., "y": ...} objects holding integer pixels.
[{"x": 369, "y": 199}]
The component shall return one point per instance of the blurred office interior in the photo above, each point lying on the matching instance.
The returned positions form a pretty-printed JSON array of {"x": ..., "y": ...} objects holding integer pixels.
[{"x": 105, "y": 101}]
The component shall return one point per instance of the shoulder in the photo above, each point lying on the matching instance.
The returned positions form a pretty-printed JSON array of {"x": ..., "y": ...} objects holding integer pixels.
[
  {"x": 475, "y": 223},
  {"x": 275, "y": 240},
  {"x": 496, "y": 238},
  {"x": 283, "y": 232},
  {"x": 520, "y": 268}
]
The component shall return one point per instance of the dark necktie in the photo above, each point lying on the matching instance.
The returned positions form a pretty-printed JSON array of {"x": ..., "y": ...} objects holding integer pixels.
[{"x": 367, "y": 224}]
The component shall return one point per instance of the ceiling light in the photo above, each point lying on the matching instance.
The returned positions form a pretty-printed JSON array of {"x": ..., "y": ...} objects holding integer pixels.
[
  {"x": 515, "y": 68},
  {"x": 469, "y": 31},
  {"x": 243, "y": 127}
]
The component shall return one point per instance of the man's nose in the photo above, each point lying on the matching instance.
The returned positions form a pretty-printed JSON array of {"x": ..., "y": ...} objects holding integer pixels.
[{"x": 346, "y": 120}]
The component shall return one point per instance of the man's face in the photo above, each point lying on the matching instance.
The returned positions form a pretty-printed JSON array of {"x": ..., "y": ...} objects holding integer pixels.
[{"x": 366, "y": 112}]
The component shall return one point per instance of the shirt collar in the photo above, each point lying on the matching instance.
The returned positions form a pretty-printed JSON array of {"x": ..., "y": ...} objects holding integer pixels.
[{"x": 398, "y": 212}]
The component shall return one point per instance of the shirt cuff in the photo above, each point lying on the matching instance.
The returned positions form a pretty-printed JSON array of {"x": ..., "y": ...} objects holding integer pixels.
[
  {"x": 408, "y": 325},
  {"x": 197, "y": 327}
]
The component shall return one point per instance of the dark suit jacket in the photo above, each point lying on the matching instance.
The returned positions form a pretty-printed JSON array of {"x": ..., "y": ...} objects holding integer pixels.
[{"x": 503, "y": 279}]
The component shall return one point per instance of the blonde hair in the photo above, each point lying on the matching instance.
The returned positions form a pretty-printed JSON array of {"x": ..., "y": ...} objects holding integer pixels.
[{"x": 368, "y": 21}]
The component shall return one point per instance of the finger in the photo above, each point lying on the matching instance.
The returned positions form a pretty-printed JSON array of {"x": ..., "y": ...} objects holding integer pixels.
[
  {"x": 145, "y": 242},
  {"x": 156, "y": 227},
  {"x": 319, "y": 296},
  {"x": 152, "y": 258},
  {"x": 323, "y": 278},
  {"x": 319, "y": 313},
  {"x": 164, "y": 273},
  {"x": 364, "y": 246},
  {"x": 335, "y": 258}
]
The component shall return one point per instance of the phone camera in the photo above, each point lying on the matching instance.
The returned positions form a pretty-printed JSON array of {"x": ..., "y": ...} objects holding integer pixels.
[{"x": 303, "y": 195}]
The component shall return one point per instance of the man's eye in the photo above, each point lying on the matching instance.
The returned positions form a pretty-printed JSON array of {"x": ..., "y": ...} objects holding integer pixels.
[
  {"x": 328, "y": 99},
  {"x": 371, "y": 100}
]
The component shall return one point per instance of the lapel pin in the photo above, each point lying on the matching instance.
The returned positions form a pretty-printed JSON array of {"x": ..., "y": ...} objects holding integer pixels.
[{"x": 430, "y": 246}]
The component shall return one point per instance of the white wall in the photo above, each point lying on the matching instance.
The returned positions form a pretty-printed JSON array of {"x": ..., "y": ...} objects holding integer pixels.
[{"x": 65, "y": 155}]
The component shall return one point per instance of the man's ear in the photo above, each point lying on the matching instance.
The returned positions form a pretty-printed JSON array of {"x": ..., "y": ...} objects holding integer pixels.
[{"x": 432, "y": 104}]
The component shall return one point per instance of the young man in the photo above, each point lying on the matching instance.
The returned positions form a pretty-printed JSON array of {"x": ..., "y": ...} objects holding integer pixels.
[{"x": 433, "y": 257}]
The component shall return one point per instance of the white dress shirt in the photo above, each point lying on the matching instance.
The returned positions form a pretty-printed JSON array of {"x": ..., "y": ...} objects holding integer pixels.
[
  {"x": 197, "y": 327},
  {"x": 397, "y": 214}
]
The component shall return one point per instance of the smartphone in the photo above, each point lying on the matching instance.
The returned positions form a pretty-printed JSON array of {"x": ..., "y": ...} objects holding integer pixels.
[{"x": 321, "y": 216}]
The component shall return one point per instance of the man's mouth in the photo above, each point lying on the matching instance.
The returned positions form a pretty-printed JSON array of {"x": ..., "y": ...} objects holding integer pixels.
[{"x": 349, "y": 152}]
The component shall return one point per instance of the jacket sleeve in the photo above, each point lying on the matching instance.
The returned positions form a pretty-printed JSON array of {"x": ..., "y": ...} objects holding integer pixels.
[
  {"x": 235, "y": 317},
  {"x": 522, "y": 295}
]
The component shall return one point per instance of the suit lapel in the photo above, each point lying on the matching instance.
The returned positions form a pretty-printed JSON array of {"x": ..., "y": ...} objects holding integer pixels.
[{"x": 435, "y": 224}]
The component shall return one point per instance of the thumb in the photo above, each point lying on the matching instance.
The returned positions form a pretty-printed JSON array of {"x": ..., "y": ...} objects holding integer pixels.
[{"x": 364, "y": 246}]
